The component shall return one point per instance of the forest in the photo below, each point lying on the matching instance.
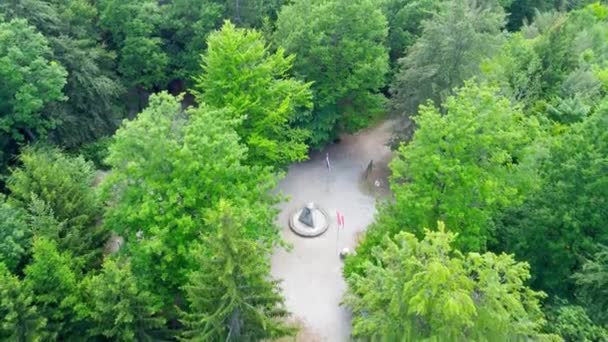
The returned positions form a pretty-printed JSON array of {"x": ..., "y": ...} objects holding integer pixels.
[{"x": 164, "y": 126}]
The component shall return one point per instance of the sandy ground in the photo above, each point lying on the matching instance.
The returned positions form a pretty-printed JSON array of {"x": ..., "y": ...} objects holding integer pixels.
[{"x": 311, "y": 272}]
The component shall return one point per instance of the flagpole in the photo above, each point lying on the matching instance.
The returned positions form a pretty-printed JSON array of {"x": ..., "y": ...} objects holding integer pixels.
[
  {"x": 338, "y": 233},
  {"x": 328, "y": 172}
]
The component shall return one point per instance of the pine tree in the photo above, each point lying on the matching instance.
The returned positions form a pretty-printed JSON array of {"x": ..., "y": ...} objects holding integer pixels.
[
  {"x": 20, "y": 320},
  {"x": 120, "y": 310},
  {"x": 53, "y": 281},
  {"x": 231, "y": 296}
]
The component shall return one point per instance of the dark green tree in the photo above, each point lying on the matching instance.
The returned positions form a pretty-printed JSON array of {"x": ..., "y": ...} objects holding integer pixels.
[
  {"x": 450, "y": 48},
  {"x": 63, "y": 184},
  {"x": 231, "y": 296},
  {"x": 31, "y": 80},
  {"x": 119, "y": 309},
  {"x": 592, "y": 285},
  {"x": 340, "y": 47},
  {"x": 572, "y": 323},
  {"x": 239, "y": 73},
  {"x": 134, "y": 28},
  {"x": 559, "y": 226},
  {"x": 92, "y": 91},
  {"x": 15, "y": 236},
  {"x": 20, "y": 320},
  {"x": 405, "y": 19},
  {"x": 184, "y": 31}
]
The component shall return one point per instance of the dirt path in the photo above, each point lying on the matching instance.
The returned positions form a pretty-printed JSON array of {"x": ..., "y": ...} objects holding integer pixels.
[{"x": 312, "y": 271}]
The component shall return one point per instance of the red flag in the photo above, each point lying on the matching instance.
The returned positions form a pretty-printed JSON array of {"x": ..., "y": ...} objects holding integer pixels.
[
  {"x": 342, "y": 221},
  {"x": 338, "y": 216}
]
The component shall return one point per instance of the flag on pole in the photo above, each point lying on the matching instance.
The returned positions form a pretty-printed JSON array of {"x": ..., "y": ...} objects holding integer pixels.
[
  {"x": 340, "y": 219},
  {"x": 327, "y": 161}
]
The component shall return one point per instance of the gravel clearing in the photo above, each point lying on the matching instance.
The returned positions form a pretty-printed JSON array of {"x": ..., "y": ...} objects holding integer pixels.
[{"x": 311, "y": 272}]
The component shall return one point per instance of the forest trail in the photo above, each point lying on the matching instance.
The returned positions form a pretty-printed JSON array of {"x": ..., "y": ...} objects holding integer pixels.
[{"x": 311, "y": 272}]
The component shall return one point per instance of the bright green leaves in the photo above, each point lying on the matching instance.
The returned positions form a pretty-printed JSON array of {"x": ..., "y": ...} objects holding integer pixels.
[
  {"x": 31, "y": 80},
  {"x": 423, "y": 289},
  {"x": 53, "y": 281},
  {"x": 340, "y": 47},
  {"x": 463, "y": 166},
  {"x": 169, "y": 168},
  {"x": 241, "y": 75}
]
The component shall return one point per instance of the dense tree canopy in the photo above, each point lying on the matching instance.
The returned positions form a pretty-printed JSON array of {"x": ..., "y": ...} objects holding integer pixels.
[
  {"x": 462, "y": 167},
  {"x": 427, "y": 290},
  {"x": 558, "y": 227},
  {"x": 31, "y": 80},
  {"x": 230, "y": 295},
  {"x": 170, "y": 168},
  {"x": 57, "y": 189},
  {"x": 119, "y": 310},
  {"x": 340, "y": 47},
  {"x": 510, "y": 104},
  {"x": 240, "y": 74},
  {"x": 452, "y": 44},
  {"x": 19, "y": 319}
]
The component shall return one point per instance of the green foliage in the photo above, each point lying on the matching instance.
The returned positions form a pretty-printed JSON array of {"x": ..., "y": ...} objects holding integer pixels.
[
  {"x": 425, "y": 290},
  {"x": 57, "y": 186},
  {"x": 560, "y": 225},
  {"x": 92, "y": 90},
  {"x": 240, "y": 74},
  {"x": 169, "y": 168},
  {"x": 15, "y": 235},
  {"x": 462, "y": 166},
  {"x": 572, "y": 324},
  {"x": 31, "y": 80},
  {"x": 53, "y": 282},
  {"x": 251, "y": 13},
  {"x": 120, "y": 310},
  {"x": 134, "y": 27},
  {"x": 19, "y": 319},
  {"x": 184, "y": 33},
  {"x": 592, "y": 285},
  {"x": 405, "y": 19},
  {"x": 230, "y": 295},
  {"x": 452, "y": 44},
  {"x": 340, "y": 46},
  {"x": 555, "y": 66}
]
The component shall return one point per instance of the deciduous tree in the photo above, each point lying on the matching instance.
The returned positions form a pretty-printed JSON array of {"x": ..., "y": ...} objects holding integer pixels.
[
  {"x": 242, "y": 75},
  {"x": 452, "y": 45},
  {"x": 169, "y": 168},
  {"x": 340, "y": 47},
  {"x": 426, "y": 290}
]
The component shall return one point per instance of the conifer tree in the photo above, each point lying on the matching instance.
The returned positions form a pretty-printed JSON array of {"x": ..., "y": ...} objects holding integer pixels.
[
  {"x": 53, "y": 282},
  {"x": 231, "y": 296},
  {"x": 120, "y": 310},
  {"x": 20, "y": 320}
]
